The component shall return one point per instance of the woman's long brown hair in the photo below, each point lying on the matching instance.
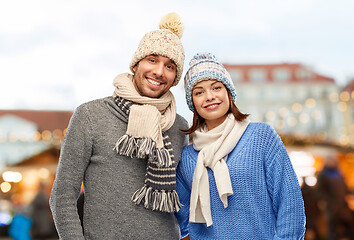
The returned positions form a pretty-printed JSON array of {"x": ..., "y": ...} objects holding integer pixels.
[{"x": 198, "y": 121}]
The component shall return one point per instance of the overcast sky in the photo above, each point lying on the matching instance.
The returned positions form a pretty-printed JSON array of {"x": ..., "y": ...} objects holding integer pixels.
[{"x": 59, "y": 54}]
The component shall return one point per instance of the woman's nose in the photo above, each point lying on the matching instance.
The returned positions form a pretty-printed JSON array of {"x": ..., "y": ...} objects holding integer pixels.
[{"x": 210, "y": 95}]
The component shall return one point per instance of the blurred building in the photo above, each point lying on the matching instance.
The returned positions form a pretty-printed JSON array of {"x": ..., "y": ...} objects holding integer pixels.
[
  {"x": 347, "y": 102},
  {"x": 293, "y": 98},
  {"x": 312, "y": 114},
  {"x": 29, "y": 151}
]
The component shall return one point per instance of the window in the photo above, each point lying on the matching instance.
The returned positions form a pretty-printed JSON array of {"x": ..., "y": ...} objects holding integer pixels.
[
  {"x": 281, "y": 74},
  {"x": 257, "y": 75},
  {"x": 236, "y": 75},
  {"x": 303, "y": 73}
]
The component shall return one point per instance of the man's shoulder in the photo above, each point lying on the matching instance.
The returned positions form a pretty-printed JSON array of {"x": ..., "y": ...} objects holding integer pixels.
[
  {"x": 92, "y": 107},
  {"x": 97, "y": 101},
  {"x": 94, "y": 104},
  {"x": 181, "y": 122}
]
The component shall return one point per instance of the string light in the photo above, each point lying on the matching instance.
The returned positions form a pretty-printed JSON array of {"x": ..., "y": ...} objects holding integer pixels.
[
  {"x": 310, "y": 102},
  {"x": 342, "y": 106},
  {"x": 270, "y": 115},
  {"x": 304, "y": 118},
  {"x": 56, "y": 136},
  {"x": 333, "y": 97},
  {"x": 296, "y": 107},
  {"x": 292, "y": 121},
  {"x": 10, "y": 176},
  {"x": 344, "y": 96},
  {"x": 5, "y": 187},
  {"x": 283, "y": 112},
  {"x": 43, "y": 173}
]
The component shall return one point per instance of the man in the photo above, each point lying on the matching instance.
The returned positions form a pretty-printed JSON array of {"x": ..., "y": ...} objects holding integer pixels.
[{"x": 125, "y": 150}]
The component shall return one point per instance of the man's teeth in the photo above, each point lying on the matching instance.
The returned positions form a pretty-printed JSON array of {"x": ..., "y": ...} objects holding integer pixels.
[{"x": 154, "y": 82}]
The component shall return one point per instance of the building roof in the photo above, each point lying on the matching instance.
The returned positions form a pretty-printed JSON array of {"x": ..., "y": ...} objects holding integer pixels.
[
  {"x": 349, "y": 87},
  {"x": 309, "y": 75},
  {"x": 45, "y": 120}
]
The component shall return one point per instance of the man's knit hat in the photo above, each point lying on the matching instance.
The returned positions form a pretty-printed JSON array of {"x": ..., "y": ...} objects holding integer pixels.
[
  {"x": 205, "y": 66},
  {"x": 165, "y": 42}
]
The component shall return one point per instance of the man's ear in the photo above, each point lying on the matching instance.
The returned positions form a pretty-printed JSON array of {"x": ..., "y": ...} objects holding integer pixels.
[{"x": 134, "y": 68}]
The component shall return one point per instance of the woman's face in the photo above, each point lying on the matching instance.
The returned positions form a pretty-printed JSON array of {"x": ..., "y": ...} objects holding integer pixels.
[{"x": 211, "y": 101}]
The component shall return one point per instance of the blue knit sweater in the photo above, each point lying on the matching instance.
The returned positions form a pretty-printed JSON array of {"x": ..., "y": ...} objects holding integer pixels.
[{"x": 267, "y": 201}]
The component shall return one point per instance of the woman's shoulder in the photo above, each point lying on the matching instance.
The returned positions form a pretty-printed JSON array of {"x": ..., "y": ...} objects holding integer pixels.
[
  {"x": 188, "y": 149},
  {"x": 260, "y": 125},
  {"x": 189, "y": 152},
  {"x": 262, "y": 128},
  {"x": 188, "y": 159},
  {"x": 258, "y": 133}
]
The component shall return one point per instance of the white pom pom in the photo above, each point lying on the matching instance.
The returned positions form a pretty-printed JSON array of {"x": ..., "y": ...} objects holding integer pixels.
[{"x": 173, "y": 22}]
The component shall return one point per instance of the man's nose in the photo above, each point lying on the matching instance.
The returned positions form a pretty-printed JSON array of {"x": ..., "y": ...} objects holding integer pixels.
[{"x": 158, "y": 69}]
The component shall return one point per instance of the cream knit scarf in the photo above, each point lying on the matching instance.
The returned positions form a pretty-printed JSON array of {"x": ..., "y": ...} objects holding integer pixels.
[
  {"x": 214, "y": 147},
  {"x": 148, "y": 119}
]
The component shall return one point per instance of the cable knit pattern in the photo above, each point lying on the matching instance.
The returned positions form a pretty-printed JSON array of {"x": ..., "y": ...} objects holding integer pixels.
[{"x": 267, "y": 201}]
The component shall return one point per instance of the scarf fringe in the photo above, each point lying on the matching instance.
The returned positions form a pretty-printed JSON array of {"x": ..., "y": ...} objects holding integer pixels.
[
  {"x": 126, "y": 146},
  {"x": 157, "y": 199},
  {"x": 142, "y": 147},
  {"x": 146, "y": 147}
]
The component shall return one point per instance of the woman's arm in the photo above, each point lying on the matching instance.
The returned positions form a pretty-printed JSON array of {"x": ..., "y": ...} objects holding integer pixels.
[
  {"x": 284, "y": 191},
  {"x": 184, "y": 196}
]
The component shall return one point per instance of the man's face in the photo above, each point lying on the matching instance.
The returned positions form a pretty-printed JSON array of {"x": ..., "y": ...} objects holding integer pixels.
[{"x": 154, "y": 76}]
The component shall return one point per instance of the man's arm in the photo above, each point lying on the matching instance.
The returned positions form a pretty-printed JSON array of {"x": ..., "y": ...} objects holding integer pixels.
[{"x": 74, "y": 158}]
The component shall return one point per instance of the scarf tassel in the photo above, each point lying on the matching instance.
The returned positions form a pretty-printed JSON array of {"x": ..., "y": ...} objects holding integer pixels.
[
  {"x": 145, "y": 147},
  {"x": 128, "y": 146},
  {"x": 157, "y": 200},
  {"x": 163, "y": 157}
]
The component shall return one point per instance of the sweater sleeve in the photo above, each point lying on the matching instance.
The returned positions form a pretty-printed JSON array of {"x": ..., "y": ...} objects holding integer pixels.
[
  {"x": 74, "y": 159},
  {"x": 184, "y": 196},
  {"x": 284, "y": 191}
]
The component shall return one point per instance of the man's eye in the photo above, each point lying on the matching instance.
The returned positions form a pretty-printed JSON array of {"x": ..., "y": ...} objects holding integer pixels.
[
  {"x": 171, "y": 67},
  {"x": 152, "y": 60}
]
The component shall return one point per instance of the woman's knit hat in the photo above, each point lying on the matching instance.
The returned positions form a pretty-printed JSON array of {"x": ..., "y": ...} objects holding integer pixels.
[
  {"x": 205, "y": 66},
  {"x": 165, "y": 42}
]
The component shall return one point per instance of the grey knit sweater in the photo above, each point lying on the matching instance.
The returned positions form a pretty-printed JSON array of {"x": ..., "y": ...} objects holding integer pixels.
[{"x": 109, "y": 179}]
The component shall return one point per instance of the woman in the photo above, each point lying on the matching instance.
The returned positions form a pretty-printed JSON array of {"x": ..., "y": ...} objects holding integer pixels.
[{"x": 236, "y": 180}]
